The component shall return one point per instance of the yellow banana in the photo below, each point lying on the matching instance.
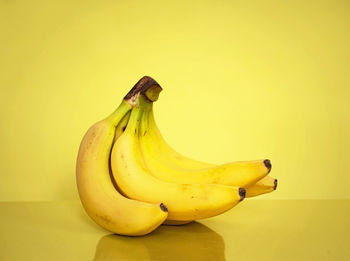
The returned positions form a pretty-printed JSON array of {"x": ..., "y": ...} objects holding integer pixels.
[
  {"x": 100, "y": 198},
  {"x": 265, "y": 185},
  {"x": 180, "y": 161},
  {"x": 171, "y": 154},
  {"x": 165, "y": 164},
  {"x": 185, "y": 202}
]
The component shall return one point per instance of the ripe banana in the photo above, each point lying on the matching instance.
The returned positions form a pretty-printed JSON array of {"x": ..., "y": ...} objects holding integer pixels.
[
  {"x": 263, "y": 186},
  {"x": 119, "y": 130},
  {"x": 166, "y": 165},
  {"x": 100, "y": 198},
  {"x": 185, "y": 202}
]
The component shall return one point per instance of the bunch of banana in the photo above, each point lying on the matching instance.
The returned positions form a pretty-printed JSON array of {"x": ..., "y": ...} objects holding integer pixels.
[{"x": 130, "y": 180}]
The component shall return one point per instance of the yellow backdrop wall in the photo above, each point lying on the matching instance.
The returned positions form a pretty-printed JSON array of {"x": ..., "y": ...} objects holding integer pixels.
[{"x": 242, "y": 80}]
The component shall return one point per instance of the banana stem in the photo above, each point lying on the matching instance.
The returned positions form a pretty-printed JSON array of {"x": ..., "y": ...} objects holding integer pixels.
[
  {"x": 146, "y": 86},
  {"x": 144, "y": 107},
  {"x": 119, "y": 113}
]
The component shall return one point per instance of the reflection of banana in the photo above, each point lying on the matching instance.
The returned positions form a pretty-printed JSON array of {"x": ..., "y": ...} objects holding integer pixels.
[
  {"x": 165, "y": 164},
  {"x": 116, "y": 248},
  {"x": 193, "y": 242},
  {"x": 184, "y": 201},
  {"x": 103, "y": 203}
]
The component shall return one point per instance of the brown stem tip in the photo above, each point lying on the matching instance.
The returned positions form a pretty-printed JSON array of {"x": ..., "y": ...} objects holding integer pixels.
[
  {"x": 163, "y": 207},
  {"x": 241, "y": 192},
  {"x": 142, "y": 86},
  {"x": 275, "y": 182},
  {"x": 268, "y": 164}
]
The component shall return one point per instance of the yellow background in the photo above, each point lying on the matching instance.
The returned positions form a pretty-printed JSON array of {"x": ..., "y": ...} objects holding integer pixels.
[{"x": 241, "y": 80}]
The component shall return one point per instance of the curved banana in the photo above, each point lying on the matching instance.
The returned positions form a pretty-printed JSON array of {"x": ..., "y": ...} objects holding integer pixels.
[
  {"x": 101, "y": 200},
  {"x": 265, "y": 185},
  {"x": 172, "y": 156},
  {"x": 180, "y": 161},
  {"x": 185, "y": 202},
  {"x": 168, "y": 167}
]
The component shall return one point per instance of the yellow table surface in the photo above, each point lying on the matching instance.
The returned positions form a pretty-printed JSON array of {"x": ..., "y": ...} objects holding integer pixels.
[{"x": 254, "y": 230}]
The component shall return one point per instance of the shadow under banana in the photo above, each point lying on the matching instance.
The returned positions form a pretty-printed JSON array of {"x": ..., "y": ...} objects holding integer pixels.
[{"x": 191, "y": 242}]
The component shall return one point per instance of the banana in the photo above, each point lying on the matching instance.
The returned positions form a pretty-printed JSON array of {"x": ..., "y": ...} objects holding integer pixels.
[
  {"x": 166, "y": 165},
  {"x": 171, "y": 154},
  {"x": 263, "y": 186},
  {"x": 178, "y": 160},
  {"x": 100, "y": 198},
  {"x": 185, "y": 202}
]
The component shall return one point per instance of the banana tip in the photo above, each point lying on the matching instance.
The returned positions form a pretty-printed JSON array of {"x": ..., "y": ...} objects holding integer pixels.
[
  {"x": 241, "y": 192},
  {"x": 163, "y": 207},
  {"x": 275, "y": 186},
  {"x": 268, "y": 164}
]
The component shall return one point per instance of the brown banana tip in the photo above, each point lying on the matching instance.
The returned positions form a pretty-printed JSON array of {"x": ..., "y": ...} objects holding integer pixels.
[
  {"x": 163, "y": 207},
  {"x": 141, "y": 87},
  {"x": 268, "y": 164},
  {"x": 241, "y": 192},
  {"x": 275, "y": 182}
]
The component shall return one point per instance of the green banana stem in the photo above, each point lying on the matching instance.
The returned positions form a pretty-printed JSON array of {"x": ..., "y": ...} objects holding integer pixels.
[
  {"x": 136, "y": 114},
  {"x": 119, "y": 113},
  {"x": 147, "y": 88}
]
